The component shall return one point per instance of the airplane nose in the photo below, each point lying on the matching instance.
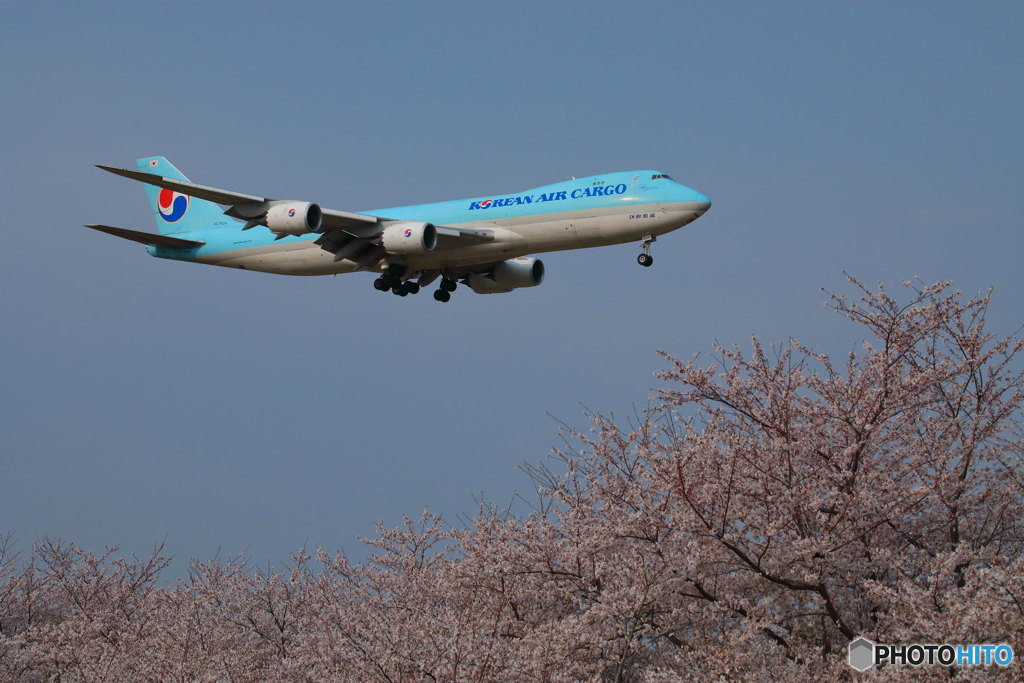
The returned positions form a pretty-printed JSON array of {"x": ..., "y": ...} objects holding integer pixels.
[
  {"x": 703, "y": 203},
  {"x": 688, "y": 194},
  {"x": 692, "y": 201}
]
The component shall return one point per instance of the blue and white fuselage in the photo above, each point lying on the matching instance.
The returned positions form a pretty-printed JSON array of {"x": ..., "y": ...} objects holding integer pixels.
[{"x": 452, "y": 239}]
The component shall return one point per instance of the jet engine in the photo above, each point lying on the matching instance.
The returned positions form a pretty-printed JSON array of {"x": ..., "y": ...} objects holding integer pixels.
[
  {"x": 409, "y": 238},
  {"x": 294, "y": 218},
  {"x": 508, "y": 275}
]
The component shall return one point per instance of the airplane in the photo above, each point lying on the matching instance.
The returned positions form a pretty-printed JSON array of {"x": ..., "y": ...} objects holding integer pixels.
[{"x": 483, "y": 243}]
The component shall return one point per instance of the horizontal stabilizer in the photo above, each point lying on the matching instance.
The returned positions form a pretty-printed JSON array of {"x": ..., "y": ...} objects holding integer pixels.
[{"x": 148, "y": 237}]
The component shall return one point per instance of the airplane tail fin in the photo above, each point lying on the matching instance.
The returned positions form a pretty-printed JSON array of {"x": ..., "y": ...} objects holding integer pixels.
[{"x": 176, "y": 212}]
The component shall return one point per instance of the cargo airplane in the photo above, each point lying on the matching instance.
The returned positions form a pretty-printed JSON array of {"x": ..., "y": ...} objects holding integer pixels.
[{"x": 483, "y": 243}]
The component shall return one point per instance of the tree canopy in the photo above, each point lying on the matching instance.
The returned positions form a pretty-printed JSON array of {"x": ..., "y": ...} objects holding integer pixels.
[{"x": 771, "y": 506}]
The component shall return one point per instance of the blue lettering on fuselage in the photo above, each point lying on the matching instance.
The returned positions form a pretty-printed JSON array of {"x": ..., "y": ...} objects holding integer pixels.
[{"x": 599, "y": 191}]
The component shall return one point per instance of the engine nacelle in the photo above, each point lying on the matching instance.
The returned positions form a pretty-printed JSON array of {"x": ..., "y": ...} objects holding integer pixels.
[
  {"x": 294, "y": 218},
  {"x": 409, "y": 238},
  {"x": 509, "y": 275}
]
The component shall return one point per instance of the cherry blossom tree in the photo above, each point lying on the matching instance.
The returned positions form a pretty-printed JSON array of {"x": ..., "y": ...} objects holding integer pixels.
[
  {"x": 772, "y": 505},
  {"x": 872, "y": 498}
]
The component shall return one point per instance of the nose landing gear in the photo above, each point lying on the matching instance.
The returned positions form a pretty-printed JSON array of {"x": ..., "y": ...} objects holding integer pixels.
[{"x": 645, "y": 259}]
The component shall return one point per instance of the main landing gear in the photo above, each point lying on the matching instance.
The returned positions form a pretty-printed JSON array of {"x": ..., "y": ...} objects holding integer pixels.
[
  {"x": 444, "y": 293},
  {"x": 383, "y": 284},
  {"x": 645, "y": 259},
  {"x": 393, "y": 280}
]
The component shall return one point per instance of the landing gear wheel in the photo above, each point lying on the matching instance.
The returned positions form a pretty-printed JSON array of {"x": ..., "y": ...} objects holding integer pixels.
[
  {"x": 645, "y": 259},
  {"x": 381, "y": 285},
  {"x": 442, "y": 295},
  {"x": 448, "y": 285},
  {"x": 412, "y": 287}
]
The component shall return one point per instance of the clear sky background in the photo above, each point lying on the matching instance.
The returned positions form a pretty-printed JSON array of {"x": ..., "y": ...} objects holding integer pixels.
[{"x": 146, "y": 399}]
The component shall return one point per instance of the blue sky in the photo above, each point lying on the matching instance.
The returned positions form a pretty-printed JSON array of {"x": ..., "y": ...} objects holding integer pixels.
[{"x": 144, "y": 399}]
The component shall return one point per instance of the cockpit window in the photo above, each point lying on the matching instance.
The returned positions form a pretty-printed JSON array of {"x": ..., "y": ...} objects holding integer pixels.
[{"x": 660, "y": 175}]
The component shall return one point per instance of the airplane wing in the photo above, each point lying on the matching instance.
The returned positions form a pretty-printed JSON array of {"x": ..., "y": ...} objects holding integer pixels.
[
  {"x": 199, "y": 191},
  {"x": 345, "y": 244},
  {"x": 243, "y": 205},
  {"x": 148, "y": 237},
  {"x": 476, "y": 235},
  {"x": 344, "y": 234}
]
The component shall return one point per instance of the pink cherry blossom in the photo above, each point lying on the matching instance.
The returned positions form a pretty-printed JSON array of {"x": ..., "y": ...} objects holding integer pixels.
[{"x": 772, "y": 505}]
